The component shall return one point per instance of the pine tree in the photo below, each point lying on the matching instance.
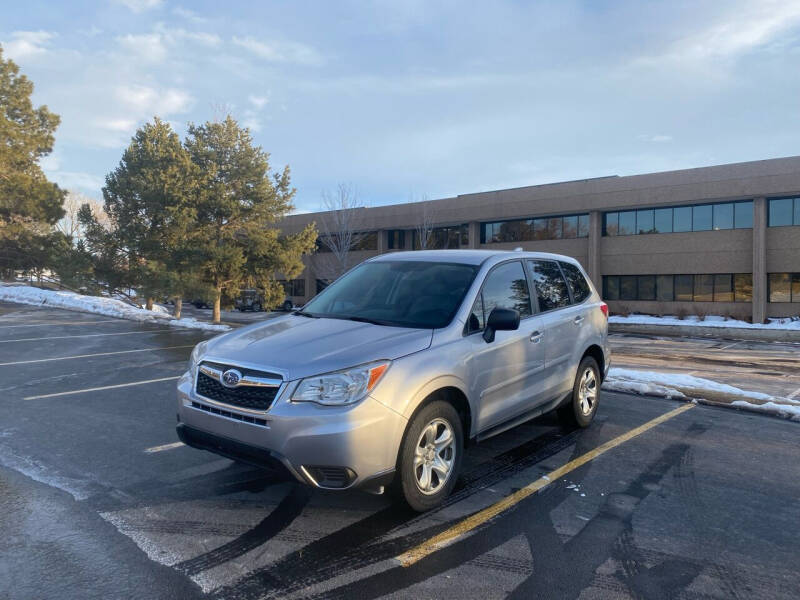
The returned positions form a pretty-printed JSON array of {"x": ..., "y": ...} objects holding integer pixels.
[
  {"x": 235, "y": 243},
  {"x": 29, "y": 204}
]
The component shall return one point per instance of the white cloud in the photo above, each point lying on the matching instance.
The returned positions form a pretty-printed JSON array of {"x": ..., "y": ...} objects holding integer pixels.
[
  {"x": 258, "y": 101},
  {"x": 147, "y": 46},
  {"x": 281, "y": 52},
  {"x": 121, "y": 125},
  {"x": 189, "y": 15},
  {"x": 138, "y": 6},
  {"x": 27, "y": 44},
  {"x": 657, "y": 138},
  {"x": 147, "y": 101}
]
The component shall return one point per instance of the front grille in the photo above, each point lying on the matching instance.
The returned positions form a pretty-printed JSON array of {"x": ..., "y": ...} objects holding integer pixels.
[
  {"x": 224, "y": 413},
  {"x": 246, "y": 396}
]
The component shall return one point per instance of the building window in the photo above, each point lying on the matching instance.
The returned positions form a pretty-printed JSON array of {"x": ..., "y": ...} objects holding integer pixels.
[
  {"x": 322, "y": 284},
  {"x": 364, "y": 240},
  {"x": 700, "y": 217},
  {"x": 524, "y": 230},
  {"x": 784, "y": 211},
  {"x": 715, "y": 287},
  {"x": 442, "y": 238},
  {"x": 743, "y": 287},
  {"x": 784, "y": 287},
  {"x": 396, "y": 239},
  {"x": 294, "y": 287}
]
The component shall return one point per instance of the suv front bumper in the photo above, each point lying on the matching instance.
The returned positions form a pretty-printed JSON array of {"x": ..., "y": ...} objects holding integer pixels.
[{"x": 323, "y": 446}]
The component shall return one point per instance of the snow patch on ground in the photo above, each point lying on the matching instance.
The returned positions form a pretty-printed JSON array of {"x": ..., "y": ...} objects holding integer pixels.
[
  {"x": 685, "y": 387},
  {"x": 98, "y": 305},
  {"x": 710, "y": 321}
]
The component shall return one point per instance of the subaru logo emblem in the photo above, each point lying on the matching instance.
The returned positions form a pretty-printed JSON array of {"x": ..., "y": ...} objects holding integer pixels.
[{"x": 231, "y": 378}]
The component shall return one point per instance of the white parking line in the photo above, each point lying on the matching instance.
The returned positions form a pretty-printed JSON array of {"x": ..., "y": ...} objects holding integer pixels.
[
  {"x": 63, "y": 337},
  {"x": 793, "y": 394},
  {"x": 41, "y": 360},
  {"x": 729, "y": 345},
  {"x": 104, "y": 387},
  {"x": 163, "y": 447},
  {"x": 48, "y": 323}
]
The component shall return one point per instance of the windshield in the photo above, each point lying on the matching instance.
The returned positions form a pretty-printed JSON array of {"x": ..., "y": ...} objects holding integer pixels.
[{"x": 402, "y": 294}]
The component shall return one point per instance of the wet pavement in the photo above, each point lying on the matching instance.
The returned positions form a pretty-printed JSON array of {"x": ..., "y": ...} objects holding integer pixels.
[{"x": 97, "y": 500}]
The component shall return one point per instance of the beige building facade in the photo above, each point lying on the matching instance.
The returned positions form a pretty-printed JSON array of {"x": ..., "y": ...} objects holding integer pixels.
[{"x": 714, "y": 240}]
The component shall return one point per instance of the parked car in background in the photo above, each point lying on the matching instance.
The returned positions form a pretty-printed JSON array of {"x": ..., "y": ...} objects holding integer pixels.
[
  {"x": 252, "y": 299},
  {"x": 388, "y": 374}
]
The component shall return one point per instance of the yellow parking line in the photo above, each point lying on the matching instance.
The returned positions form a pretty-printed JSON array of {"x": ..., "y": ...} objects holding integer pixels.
[
  {"x": 163, "y": 447},
  {"x": 470, "y": 523},
  {"x": 101, "y": 388},
  {"x": 41, "y": 360}
]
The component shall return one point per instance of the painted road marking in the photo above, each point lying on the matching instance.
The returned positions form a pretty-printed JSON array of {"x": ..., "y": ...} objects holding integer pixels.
[
  {"x": 470, "y": 523},
  {"x": 41, "y": 360},
  {"x": 793, "y": 394},
  {"x": 104, "y": 387},
  {"x": 163, "y": 447},
  {"x": 62, "y": 337},
  {"x": 48, "y": 323}
]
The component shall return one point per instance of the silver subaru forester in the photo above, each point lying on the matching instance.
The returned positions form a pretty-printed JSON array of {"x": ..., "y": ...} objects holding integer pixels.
[{"x": 390, "y": 372}]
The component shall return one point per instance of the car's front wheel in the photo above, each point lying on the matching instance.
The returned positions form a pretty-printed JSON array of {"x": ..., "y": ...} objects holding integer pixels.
[
  {"x": 582, "y": 405},
  {"x": 430, "y": 456}
]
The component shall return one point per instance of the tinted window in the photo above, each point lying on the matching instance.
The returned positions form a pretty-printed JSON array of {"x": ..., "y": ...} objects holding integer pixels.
[
  {"x": 551, "y": 289},
  {"x": 723, "y": 287},
  {"x": 682, "y": 218},
  {"x": 664, "y": 290},
  {"x": 701, "y": 218},
  {"x": 743, "y": 287},
  {"x": 647, "y": 287},
  {"x": 583, "y": 226},
  {"x": 611, "y": 291},
  {"x": 577, "y": 282},
  {"x": 611, "y": 223},
  {"x": 627, "y": 287},
  {"x": 506, "y": 287},
  {"x": 662, "y": 220},
  {"x": 644, "y": 221},
  {"x": 398, "y": 293},
  {"x": 780, "y": 287},
  {"x": 703, "y": 288},
  {"x": 781, "y": 212},
  {"x": 570, "y": 227},
  {"x": 723, "y": 216},
  {"x": 797, "y": 211},
  {"x": 540, "y": 229},
  {"x": 476, "y": 319},
  {"x": 796, "y": 287},
  {"x": 684, "y": 288},
  {"x": 743, "y": 215},
  {"x": 627, "y": 222},
  {"x": 397, "y": 239}
]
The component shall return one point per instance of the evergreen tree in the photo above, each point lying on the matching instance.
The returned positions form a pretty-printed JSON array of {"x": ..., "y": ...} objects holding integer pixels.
[
  {"x": 29, "y": 204},
  {"x": 234, "y": 241}
]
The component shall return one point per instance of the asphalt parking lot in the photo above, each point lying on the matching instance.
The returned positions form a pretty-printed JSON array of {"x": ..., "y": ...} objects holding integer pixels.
[{"x": 97, "y": 500}]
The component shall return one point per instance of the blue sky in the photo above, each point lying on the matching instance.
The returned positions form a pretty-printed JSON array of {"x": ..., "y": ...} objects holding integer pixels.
[{"x": 406, "y": 99}]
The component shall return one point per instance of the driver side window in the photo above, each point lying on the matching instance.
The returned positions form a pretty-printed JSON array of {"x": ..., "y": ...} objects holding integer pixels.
[{"x": 504, "y": 287}]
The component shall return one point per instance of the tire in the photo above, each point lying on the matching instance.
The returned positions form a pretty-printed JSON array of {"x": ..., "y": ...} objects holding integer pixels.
[
  {"x": 410, "y": 480},
  {"x": 287, "y": 306},
  {"x": 257, "y": 307},
  {"x": 582, "y": 406}
]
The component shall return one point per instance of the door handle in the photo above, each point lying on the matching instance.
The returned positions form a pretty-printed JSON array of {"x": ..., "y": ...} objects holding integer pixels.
[
  {"x": 536, "y": 337},
  {"x": 578, "y": 320}
]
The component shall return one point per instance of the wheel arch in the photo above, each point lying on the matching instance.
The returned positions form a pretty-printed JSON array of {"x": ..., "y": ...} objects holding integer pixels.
[{"x": 596, "y": 352}]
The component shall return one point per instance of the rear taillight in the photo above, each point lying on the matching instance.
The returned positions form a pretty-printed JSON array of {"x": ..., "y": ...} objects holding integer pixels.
[{"x": 604, "y": 308}]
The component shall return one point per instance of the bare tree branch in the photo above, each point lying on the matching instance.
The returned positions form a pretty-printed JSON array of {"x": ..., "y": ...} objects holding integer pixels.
[
  {"x": 424, "y": 219},
  {"x": 339, "y": 227}
]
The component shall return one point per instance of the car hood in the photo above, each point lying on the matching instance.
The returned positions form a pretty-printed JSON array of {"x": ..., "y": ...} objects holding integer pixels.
[{"x": 297, "y": 346}]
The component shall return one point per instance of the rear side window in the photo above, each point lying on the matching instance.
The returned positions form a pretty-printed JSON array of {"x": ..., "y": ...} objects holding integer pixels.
[
  {"x": 577, "y": 282},
  {"x": 506, "y": 287},
  {"x": 551, "y": 289}
]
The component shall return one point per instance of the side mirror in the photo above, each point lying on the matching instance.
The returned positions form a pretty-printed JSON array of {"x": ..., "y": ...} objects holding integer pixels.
[{"x": 500, "y": 319}]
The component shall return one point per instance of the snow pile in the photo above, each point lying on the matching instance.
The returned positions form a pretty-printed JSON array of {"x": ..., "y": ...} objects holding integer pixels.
[
  {"x": 710, "y": 321},
  {"x": 684, "y": 387},
  {"x": 98, "y": 305}
]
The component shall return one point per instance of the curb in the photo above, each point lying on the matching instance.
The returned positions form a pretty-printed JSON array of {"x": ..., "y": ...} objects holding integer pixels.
[{"x": 724, "y": 333}]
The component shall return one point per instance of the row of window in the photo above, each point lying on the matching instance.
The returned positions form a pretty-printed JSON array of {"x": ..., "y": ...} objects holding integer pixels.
[
  {"x": 784, "y": 287},
  {"x": 784, "y": 211},
  {"x": 556, "y": 284},
  {"x": 716, "y": 287},
  {"x": 700, "y": 217},
  {"x": 293, "y": 287},
  {"x": 542, "y": 228},
  {"x": 363, "y": 240},
  {"x": 443, "y": 238}
]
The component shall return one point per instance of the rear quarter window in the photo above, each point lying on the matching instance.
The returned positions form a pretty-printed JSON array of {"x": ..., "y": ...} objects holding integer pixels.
[{"x": 577, "y": 282}]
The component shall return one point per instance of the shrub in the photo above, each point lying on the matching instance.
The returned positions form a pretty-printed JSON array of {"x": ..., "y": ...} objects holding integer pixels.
[
  {"x": 700, "y": 313},
  {"x": 681, "y": 313}
]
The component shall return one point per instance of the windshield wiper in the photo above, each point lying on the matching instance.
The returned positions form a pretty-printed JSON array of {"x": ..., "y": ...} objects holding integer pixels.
[
  {"x": 302, "y": 313},
  {"x": 367, "y": 320}
]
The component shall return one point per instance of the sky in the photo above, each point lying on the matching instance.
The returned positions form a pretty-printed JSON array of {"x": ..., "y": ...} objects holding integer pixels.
[{"x": 420, "y": 98}]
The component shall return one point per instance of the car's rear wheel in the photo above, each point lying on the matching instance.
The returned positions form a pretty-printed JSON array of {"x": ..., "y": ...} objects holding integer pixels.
[
  {"x": 257, "y": 307},
  {"x": 287, "y": 306},
  {"x": 582, "y": 406},
  {"x": 430, "y": 456}
]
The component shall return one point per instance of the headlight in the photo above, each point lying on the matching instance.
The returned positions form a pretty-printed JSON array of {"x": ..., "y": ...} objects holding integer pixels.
[
  {"x": 197, "y": 354},
  {"x": 341, "y": 387}
]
